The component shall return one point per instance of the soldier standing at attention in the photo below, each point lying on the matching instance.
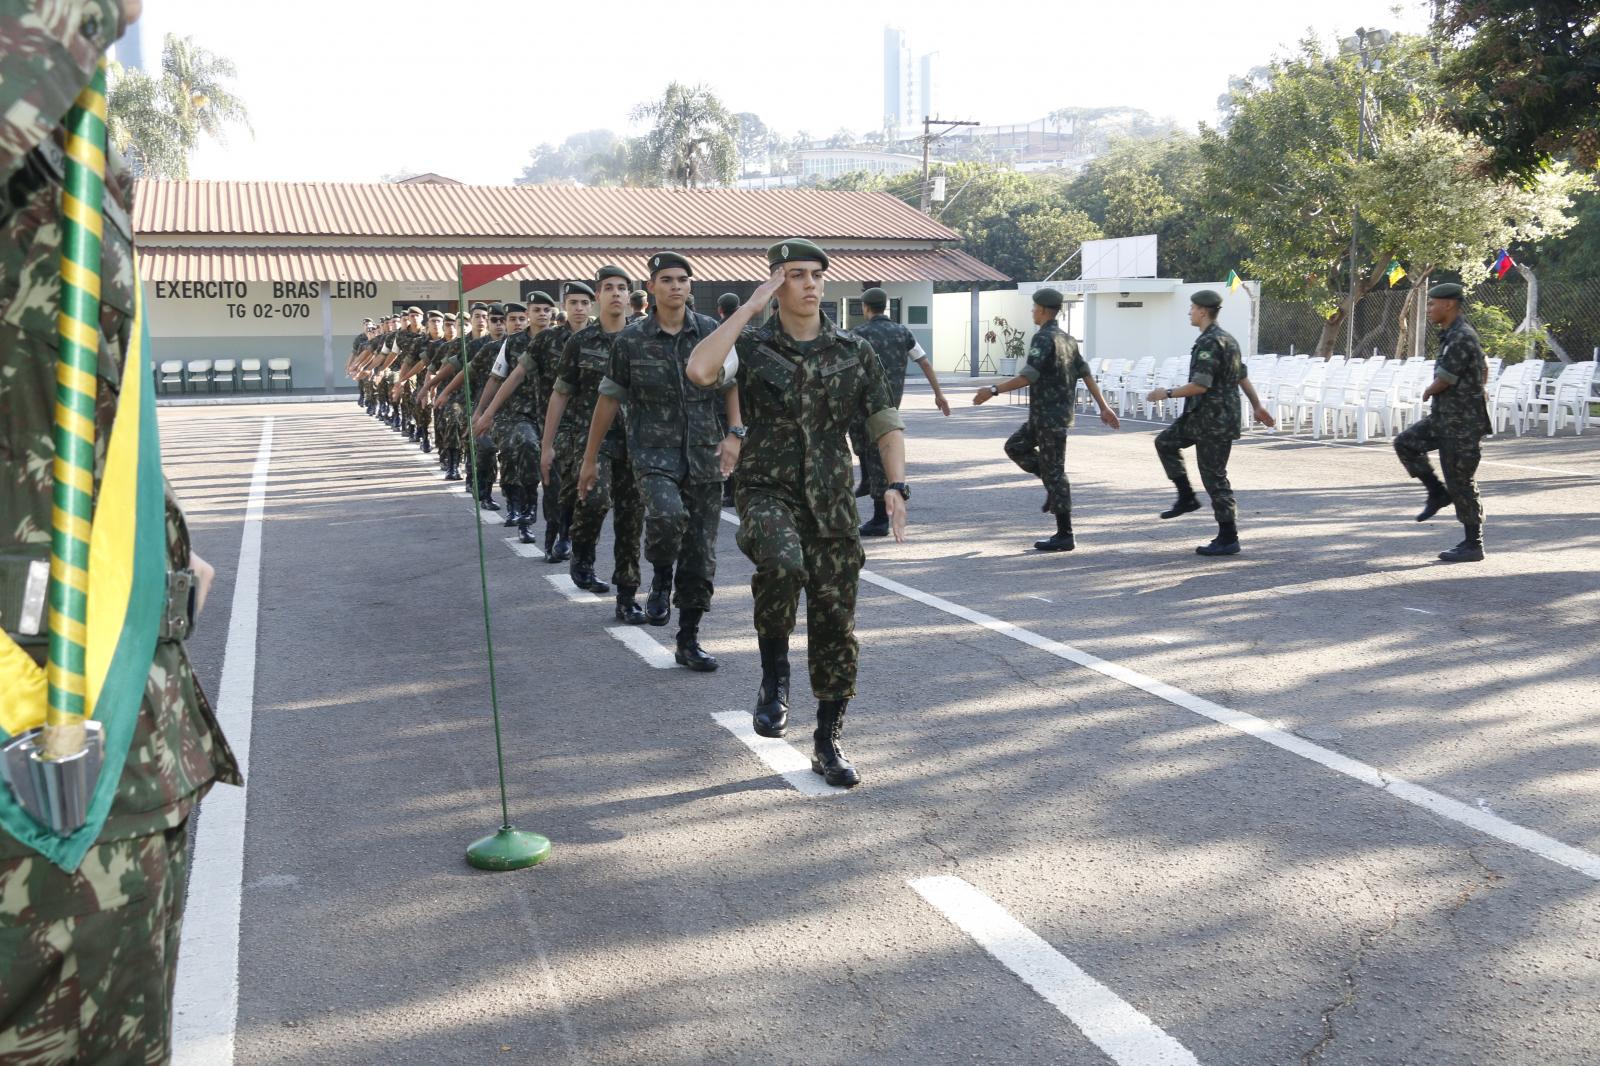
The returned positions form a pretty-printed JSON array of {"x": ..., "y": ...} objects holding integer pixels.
[
  {"x": 510, "y": 404},
  {"x": 801, "y": 383},
  {"x": 1210, "y": 421},
  {"x": 636, "y": 302},
  {"x": 584, "y": 363},
  {"x": 544, "y": 362},
  {"x": 896, "y": 348},
  {"x": 1039, "y": 446},
  {"x": 1457, "y": 422},
  {"x": 88, "y": 945},
  {"x": 678, "y": 448}
]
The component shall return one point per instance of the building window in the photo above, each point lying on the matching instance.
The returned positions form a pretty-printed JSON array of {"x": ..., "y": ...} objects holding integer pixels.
[{"x": 917, "y": 315}]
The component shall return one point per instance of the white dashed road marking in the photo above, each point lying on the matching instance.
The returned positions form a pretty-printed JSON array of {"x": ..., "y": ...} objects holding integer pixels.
[
  {"x": 564, "y": 585},
  {"x": 645, "y": 646},
  {"x": 779, "y": 756}
]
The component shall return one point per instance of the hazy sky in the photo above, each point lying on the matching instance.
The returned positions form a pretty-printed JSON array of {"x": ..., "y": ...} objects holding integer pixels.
[{"x": 350, "y": 90}]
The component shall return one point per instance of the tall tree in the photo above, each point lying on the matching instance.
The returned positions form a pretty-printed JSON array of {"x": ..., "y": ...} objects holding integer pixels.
[
  {"x": 1526, "y": 74},
  {"x": 158, "y": 122},
  {"x": 693, "y": 139},
  {"x": 754, "y": 141}
]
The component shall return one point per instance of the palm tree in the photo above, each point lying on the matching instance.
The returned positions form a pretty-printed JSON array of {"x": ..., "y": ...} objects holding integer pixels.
[
  {"x": 694, "y": 140},
  {"x": 157, "y": 122}
]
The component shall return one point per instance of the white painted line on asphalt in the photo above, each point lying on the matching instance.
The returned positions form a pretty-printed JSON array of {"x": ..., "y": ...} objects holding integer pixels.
[
  {"x": 490, "y": 518},
  {"x": 527, "y": 551},
  {"x": 781, "y": 758},
  {"x": 1419, "y": 610},
  {"x": 564, "y": 585},
  {"x": 206, "y": 997},
  {"x": 645, "y": 646},
  {"x": 1529, "y": 840},
  {"x": 1111, "y": 1022}
]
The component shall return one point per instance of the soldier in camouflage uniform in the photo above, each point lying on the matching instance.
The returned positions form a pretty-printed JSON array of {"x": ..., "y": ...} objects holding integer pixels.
[
  {"x": 413, "y": 362},
  {"x": 584, "y": 362},
  {"x": 561, "y": 431},
  {"x": 358, "y": 348},
  {"x": 1039, "y": 446},
  {"x": 516, "y": 431},
  {"x": 679, "y": 450},
  {"x": 1210, "y": 421},
  {"x": 896, "y": 349},
  {"x": 481, "y": 354},
  {"x": 801, "y": 383},
  {"x": 1456, "y": 423},
  {"x": 636, "y": 305},
  {"x": 87, "y": 959},
  {"x": 445, "y": 431}
]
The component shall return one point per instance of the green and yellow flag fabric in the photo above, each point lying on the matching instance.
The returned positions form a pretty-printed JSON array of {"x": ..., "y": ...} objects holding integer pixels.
[
  {"x": 108, "y": 550},
  {"x": 1234, "y": 281},
  {"x": 1396, "y": 272}
]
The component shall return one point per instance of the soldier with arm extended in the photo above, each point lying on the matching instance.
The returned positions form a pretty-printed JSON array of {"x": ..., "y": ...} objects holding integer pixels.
[
  {"x": 88, "y": 944},
  {"x": 556, "y": 445}
]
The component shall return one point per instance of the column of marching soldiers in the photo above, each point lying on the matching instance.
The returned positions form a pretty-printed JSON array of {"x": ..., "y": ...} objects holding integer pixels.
[{"x": 609, "y": 405}]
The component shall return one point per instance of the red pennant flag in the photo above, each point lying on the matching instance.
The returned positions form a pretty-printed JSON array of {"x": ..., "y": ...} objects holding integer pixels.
[{"x": 475, "y": 274}]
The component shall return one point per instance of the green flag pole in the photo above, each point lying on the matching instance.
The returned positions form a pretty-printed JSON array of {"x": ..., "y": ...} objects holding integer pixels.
[{"x": 506, "y": 848}]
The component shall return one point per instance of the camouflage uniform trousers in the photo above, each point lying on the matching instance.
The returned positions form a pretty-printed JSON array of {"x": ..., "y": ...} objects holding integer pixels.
[
  {"x": 681, "y": 521},
  {"x": 1212, "y": 456},
  {"x": 88, "y": 976},
  {"x": 614, "y": 490},
  {"x": 564, "y": 471},
  {"x": 421, "y": 413},
  {"x": 871, "y": 460},
  {"x": 792, "y": 553},
  {"x": 518, "y": 440},
  {"x": 1458, "y": 458},
  {"x": 487, "y": 468},
  {"x": 1042, "y": 452},
  {"x": 449, "y": 435}
]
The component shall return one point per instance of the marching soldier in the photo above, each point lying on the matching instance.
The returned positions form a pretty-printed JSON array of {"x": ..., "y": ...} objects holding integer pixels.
[
  {"x": 512, "y": 410},
  {"x": 556, "y": 446},
  {"x": 369, "y": 329},
  {"x": 415, "y": 375},
  {"x": 480, "y": 356},
  {"x": 896, "y": 349},
  {"x": 584, "y": 362},
  {"x": 88, "y": 941},
  {"x": 1456, "y": 423},
  {"x": 679, "y": 451},
  {"x": 1054, "y": 368},
  {"x": 801, "y": 383},
  {"x": 1210, "y": 422},
  {"x": 636, "y": 305}
]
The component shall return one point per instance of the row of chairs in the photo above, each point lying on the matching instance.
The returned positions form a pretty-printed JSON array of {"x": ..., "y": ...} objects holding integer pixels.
[
  {"x": 236, "y": 374},
  {"x": 1356, "y": 397}
]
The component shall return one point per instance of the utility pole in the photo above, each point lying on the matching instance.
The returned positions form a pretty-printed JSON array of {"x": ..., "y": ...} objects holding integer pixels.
[
  {"x": 928, "y": 137},
  {"x": 1358, "y": 44}
]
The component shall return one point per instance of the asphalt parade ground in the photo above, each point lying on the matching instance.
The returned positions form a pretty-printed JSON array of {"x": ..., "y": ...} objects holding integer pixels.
[{"x": 1330, "y": 801}]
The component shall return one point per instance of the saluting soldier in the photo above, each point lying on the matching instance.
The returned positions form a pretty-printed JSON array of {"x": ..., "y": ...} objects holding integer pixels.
[
  {"x": 727, "y": 304},
  {"x": 678, "y": 449},
  {"x": 801, "y": 383},
  {"x": 1210, "y": 421},
  {"x": 1039, "y": 446},
  {"x": 561, "y": 432},
  {"x": 896, "y": 348},
  {"x": 584, "y": 362},
  {"x": 1455, "y": 425}
]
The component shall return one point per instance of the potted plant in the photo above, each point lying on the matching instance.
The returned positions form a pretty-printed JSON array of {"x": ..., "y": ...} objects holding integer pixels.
[{"x": 1013, "y": 343}]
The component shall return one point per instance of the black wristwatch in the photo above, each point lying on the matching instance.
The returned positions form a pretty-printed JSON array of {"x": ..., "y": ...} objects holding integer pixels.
[
  {"x": 901, "y": 487},
  {"x": 738, "y": 431},
  {"x": 994, "y": 392}
]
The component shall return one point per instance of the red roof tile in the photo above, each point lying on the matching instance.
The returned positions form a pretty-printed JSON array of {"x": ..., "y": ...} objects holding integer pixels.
[{"x": 288, "y": 209}]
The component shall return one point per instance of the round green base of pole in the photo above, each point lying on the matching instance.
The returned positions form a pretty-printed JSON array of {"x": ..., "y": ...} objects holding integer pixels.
[{"x": 509, "y": 849}]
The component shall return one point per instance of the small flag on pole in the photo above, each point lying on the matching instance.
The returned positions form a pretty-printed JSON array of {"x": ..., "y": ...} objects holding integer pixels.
[
  {"x": 1396, "y": 272},
  {"x": 1503, "y": 265},
  {"x": 1234, "y": 281}
]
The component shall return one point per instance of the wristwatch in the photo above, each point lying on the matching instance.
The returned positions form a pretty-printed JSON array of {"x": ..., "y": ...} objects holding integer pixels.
[
  {"x": 901, "y": 487},
  {"x": 738, "y": 431},
  {"x": 994, "y": 392}
]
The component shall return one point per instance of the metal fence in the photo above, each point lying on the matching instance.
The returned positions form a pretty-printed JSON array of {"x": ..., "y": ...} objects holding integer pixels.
[{"x": 1569, "y": 313}]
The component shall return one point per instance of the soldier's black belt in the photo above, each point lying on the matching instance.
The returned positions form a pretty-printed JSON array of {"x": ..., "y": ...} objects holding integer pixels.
[{"x": 25, "y": 581}]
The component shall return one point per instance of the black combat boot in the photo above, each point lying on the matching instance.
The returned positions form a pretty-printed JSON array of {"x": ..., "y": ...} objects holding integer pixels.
[
  {"x": 562, "y": 548},
  {"x": 581, "y": 569},
  {"x": 486, "y": 488},
  {"x": 452, "y": 466},
  {"x": 1438, "y": 498},
  {"x": 549, "y": 539},
  {"x": 1226, "y": 542},
  {"x": 1061, "y": 540},
  {"x": 628, "y": 610},
  {"x": 878, "y": 524},
  {"x": 1469, "y": 550},
  {"x": 727, "y": 493},
  {"x": 826, "y": 758},
  {"x": 513, "y": 508},
  {"x": 771, "y": 717},
  {"x": 862, "y": 488},
  {"x": 658, "y": 605},
  {"x": 422, "y": 439},
  {"x": 1185, "y": 503},
  {"x": 524, "y": 520},
  {"x": 690, "y": 653}
]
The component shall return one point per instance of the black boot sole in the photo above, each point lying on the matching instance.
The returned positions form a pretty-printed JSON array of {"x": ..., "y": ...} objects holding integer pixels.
[
  {"x": 777, "y": 732},
  {"x": 1181, "y": 509},
  {"x": 1432, "y": 508},
  {"x": 699, "y": 666},
  {"x": 838, "y": 778}
]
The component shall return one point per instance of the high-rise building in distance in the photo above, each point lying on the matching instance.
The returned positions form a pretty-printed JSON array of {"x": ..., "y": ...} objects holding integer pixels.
[{"x": 909, "y": 85}]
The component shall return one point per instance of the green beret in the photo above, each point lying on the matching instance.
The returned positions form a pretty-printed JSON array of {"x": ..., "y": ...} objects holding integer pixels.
[
  {"x": 877, "y": 298},
  {"x": 479, "y": 307},
  {"x": 662, "y": 260},
  {"x": 413, "y": 310},
  {"x": 1206, "y": 298},
  {"x": 541, "y": 299},
  {"x": 576, "y": 288},
  {"x": 1448, "y": 290},
  {"x": 435, "y": 314},
  {"x": 611, "y": 270},
  {"x": 795, "y": 249},
  {"x": 510, "y": 307},
  {"x": 497, "y": 309},
  {"x": 728, "y": 303},
  {"x": 1048, "y": 297}
]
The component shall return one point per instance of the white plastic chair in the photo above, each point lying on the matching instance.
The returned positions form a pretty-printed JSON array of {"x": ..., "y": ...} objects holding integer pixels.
[
  {"x": 1508, "y": 403},
  {"x": 1330, "y": 401},
  {"x": 225, "y": 370},
  {"x": 199, "y": 373},
  {"x": 1304, "y": 401},
  {"x": 1135, "y": 385},
  {"x": 280, "y": 370},
  {"x": 250, "y": 371},
  {"x": 1284, "y": 392},
  {"x": 171, "y": 374},
  {"x": 1568, "y": 395},
  {"x": 1379, "y": 404}
]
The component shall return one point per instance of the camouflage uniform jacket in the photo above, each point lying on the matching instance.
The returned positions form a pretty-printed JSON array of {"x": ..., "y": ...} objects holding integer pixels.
[
  {"x": 540, "y": 363},
  {"x": 673, "y": 427},
  {"x": 411, "y": 347},
  {"x": 524, "y": 399},
  {"x": 585, "y": 360},
  {"x": 1214, "y": 362},
  {"x": 1461, "y": 412},
  {"x": 1054, "y": 368},
  {"x": 45, "y": 58},
  {"x": 893, "y": 343},
  {"x": 481, "y": 352},
  {"x": 798, "y": 402}
]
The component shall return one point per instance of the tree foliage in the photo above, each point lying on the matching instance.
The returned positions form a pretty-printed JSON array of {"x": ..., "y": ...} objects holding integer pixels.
[
  {"x": 593, "y": 157},
  {"x": 158, "y": 122},
  {"x": 693, "y": 140}
]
